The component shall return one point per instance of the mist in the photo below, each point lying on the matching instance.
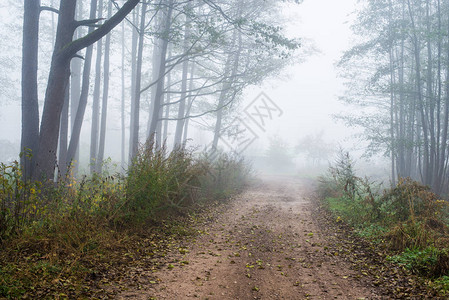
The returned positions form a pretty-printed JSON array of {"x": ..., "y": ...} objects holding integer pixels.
[
  {"x": 298, "y": 91},
  {"x": 224, "y": 149}
]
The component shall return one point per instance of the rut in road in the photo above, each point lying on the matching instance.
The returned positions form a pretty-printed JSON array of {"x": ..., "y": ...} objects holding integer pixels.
[{"x": 266, "y": 245}]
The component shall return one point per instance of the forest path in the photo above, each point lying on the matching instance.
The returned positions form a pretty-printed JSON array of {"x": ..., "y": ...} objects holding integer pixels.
[{"x": 266, "y": 245}]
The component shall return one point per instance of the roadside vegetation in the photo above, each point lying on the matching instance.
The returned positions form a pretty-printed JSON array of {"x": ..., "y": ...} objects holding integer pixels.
[
  {"x": 71, "y": 239},
  {"x": 408, "y": 219}
]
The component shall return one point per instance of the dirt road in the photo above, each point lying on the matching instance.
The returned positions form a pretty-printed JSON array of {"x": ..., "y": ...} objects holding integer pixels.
[{"x": 266, "y": 245}]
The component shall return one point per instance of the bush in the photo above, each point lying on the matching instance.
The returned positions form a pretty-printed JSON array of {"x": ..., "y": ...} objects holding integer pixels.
[
  {"x": 410, "y": 199},
  {"x": 158, "y": 181},
  {"x": 224, "y": 175},
  {"x": 20, "y": 201},
  {"x": 358, "y": 197}
]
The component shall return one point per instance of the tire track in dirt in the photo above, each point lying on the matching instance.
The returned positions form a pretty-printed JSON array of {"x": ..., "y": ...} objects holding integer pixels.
[{"x": 264, "y": 246}]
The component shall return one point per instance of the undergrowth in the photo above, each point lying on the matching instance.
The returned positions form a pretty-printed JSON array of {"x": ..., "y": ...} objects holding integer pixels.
[
  {"x": 408, "y": 217},
  {"x": 58, "y": 240}
]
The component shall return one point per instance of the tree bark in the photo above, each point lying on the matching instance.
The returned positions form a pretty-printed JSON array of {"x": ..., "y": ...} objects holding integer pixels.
[
  {"x": 96, "y": 100},
  {"x": 182, "y": 105},
  {"x": 30, "y": 104},
  {"x": 160, "y": 85},
  {"x": 122, "y": 104},
  {"x": 63, "y": 135},
  {"x": 75, "y": 91},
  {"x": 104, "y": 105},
  {"x": 54, "y": 97},
  {"x": 136, "y": 116}
]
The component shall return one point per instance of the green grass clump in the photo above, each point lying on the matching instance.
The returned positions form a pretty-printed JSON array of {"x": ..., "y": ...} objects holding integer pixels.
[
  {"x": 423, "y": 261},
  {"x": 442, "y": 284}
]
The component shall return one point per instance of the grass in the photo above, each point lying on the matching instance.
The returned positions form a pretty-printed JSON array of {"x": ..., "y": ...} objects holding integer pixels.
[{"x": 72, "y": 239}]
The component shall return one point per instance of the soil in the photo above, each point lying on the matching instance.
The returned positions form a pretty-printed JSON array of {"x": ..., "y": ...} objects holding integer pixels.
[{"x": 266, "y": 244}]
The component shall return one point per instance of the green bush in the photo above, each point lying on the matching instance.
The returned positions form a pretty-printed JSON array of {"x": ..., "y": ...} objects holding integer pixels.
[{"x": 158, "y": 181}]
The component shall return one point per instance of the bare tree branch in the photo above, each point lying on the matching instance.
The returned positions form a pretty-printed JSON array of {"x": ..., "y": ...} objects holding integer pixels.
[
  {"x": 88, "y": 22},
  {"x": 48, "y": 8}
]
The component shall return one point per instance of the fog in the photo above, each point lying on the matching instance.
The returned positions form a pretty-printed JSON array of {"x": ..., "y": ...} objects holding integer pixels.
[{"x": 303, "y": 96}]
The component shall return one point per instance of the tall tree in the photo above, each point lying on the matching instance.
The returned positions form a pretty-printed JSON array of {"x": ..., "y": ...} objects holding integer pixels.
[
  {"x": 65, "y": 49},
  {"x": 135, "y": 117},
  {"x": 30, "y": 105},
  {"x": 96, "y": 99},
  {"x": 104, "y": 105},
  {"x": 165, "y": 27},
  {"x": 185, "y": 67}
]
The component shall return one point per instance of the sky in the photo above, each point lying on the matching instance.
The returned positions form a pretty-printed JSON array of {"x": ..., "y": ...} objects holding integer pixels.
[{"x": 308, "y": 97}]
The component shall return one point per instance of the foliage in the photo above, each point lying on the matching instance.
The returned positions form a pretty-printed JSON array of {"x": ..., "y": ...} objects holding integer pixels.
[
  {"x": 442, "y": 284},
  {"x": 409, "y": 199},
  {"x": 157, "y": 180},
  {"x": 19, "y": 200}
]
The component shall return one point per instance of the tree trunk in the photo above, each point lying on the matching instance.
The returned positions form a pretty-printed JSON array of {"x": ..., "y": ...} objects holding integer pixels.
[
  {"x": 425, "y": 165},
  {"x": 82, "y": 102},
  {"x": 189, "y": 107},
  {"x": 229, "y": 74},
  {"x": 30, "y": 104},
  {"x": 104, "y": 105},
  {"x": 63, "y": 134},
  {"x": 156, "y": 58},
  {"x": 182, "y": 104},
  {"x": 160, "y": 84},
  {"x": 135, "y": 39},
  {"x": 167, "y": 106},
  {"x": 54, "y": 97},
  {"x": 135, "y": 117},
  {"x": 444, "y": 135},
  {"x": 122, "y": 106},
  {"x": 75, "y": 92},
  {"x": 96, "y": 101}
]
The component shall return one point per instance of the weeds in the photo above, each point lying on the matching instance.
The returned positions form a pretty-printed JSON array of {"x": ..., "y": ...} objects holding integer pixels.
[{"x": 409, "y": 216}]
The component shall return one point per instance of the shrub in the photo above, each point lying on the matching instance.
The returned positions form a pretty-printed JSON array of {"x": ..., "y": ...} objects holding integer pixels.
[
  {"x": 410, "y": 199},
  {"x": 20, "y": 201},
  {"x": 223, "y": 175},
  {"x": 157, "y": 181}
]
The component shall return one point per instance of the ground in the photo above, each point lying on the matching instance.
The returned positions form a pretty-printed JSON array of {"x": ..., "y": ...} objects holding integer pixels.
[{"x": 266, "y": 244}]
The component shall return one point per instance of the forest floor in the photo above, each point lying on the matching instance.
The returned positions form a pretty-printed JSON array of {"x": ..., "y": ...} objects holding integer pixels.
[{"x": 272, "y": 242}]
